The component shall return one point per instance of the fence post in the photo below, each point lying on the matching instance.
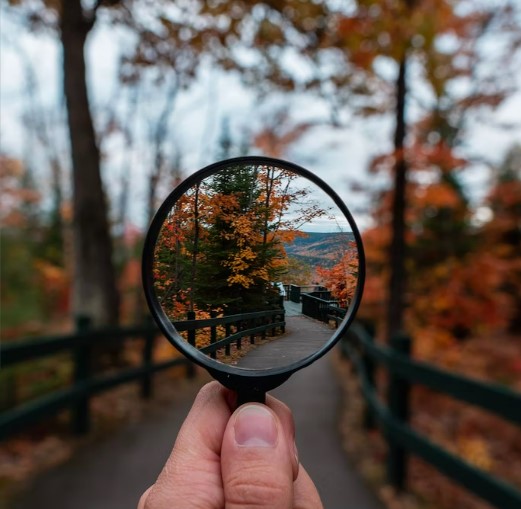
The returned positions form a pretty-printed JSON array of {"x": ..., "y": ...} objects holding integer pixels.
[
  {"x": 240, "y": 327},
  {"x": 369, "y": 368},
  {"x": 190, "y": 315},
  {"x": 228, "y": 332},
  {"x": 213, "y": 334},
  {"x": 398, "y": 403},
  {"x": 190, "y": 368},
  {"x": 252, "y": 326},
  {"x": 82, "y": 372},
  {"x": 8, "y": 395},
  {"x": 148, "y": 348}
]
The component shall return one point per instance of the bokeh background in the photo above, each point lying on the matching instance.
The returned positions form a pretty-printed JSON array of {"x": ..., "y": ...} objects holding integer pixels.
[{"x": 409, "y": 109}]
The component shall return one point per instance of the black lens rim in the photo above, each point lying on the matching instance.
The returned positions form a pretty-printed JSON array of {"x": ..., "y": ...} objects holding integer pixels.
[{"x": 233, "y": 376}]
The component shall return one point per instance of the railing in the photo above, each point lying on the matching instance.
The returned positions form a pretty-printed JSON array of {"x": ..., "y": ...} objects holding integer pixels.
[
  {"x": 86, "y": 383},
  {"x": 296, "y": 291},
  {"x": 317, "y": 307},
  {"x": 247, "y": 324},
  {"x": 392, "y": 418},
  {"x": 294, "y": 294}
]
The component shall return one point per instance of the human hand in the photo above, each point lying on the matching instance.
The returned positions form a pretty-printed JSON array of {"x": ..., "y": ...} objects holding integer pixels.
[{"x": 233, "y": 459}]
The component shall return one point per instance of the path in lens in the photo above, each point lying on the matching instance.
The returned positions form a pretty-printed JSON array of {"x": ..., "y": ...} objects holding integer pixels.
[{"x": 303, "y": 337}]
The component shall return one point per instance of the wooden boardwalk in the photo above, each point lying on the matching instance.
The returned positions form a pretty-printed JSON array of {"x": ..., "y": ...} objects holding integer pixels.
[{"x": 303, "y": 337}]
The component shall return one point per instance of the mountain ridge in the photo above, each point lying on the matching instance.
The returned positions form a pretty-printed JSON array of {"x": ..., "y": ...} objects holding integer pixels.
[{"x": 319, "y": 248}]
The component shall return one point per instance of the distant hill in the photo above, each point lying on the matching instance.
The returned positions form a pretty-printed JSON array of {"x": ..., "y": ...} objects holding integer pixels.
[{"x": 318, "y": 248}]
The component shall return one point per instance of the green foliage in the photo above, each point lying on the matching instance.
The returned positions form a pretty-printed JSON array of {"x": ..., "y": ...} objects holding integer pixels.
[
  {"x": 22, "y": 298},
  {"x": 31, "y": 252}
]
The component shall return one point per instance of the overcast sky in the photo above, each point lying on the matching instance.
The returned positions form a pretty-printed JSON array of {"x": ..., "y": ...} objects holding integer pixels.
[{"x": 337, "y": 155}]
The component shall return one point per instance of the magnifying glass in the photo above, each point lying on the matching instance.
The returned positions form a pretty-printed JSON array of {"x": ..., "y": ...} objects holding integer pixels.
[{"x": 235, "y": 267}]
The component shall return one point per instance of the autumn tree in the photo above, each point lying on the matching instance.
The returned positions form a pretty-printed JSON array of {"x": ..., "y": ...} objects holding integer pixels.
[
  {"x": 348, "y": 51},
  {"x": 244, "y": 217},
  {"x": 342, "y": 278},
  {"x": 232, "y": 253},
  {"x": 33, "y": 287},
  {"x": 417, "y": 33},
  {"x": 95, "y": 292},
  {"x": 502, "y": 234}
]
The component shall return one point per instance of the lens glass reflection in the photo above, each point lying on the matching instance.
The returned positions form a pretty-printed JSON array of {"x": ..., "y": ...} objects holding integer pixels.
[{"x": 255, "y": 266}]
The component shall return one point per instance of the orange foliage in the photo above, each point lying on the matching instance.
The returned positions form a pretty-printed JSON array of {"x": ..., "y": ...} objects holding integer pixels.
[
  {"x": 342, "y": 278},
  {"x": 56, "y": 282},
  {"x": 437, "y": 195},
  {"x": 460, "y": 298},
  {"x": 13, "y": 194},
  {"x": 438, "y": 157},
  {"x": 450, "y": 296},
  {"x": 235, "y": 228}
]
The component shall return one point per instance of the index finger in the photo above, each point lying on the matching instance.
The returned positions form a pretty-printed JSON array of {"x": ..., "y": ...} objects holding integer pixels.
[{"x": 191, "y": 476}]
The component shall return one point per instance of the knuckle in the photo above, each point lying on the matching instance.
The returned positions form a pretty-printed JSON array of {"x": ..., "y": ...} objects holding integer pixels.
[{"x": 249, "y": 491}]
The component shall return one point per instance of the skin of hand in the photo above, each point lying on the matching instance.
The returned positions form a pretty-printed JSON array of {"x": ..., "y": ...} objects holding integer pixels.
[{"x": 225, "y": 459}]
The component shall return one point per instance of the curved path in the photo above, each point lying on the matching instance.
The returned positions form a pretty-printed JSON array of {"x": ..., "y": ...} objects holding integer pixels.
[
  {"x": 112, "y": 474},
  {"x": 302, "y": 338}
]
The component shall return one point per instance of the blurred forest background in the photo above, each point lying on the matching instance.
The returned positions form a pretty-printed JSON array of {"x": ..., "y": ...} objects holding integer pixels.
[{"x": 410, "y": 109}]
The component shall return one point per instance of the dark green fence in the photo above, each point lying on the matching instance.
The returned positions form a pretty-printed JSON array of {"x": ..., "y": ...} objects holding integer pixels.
[
  {"x": 236, "y": 328},
  {"x": 393, "y": 417},
  {"x": 295, "y": 291},
  {"x": 86, "y": 383},
  {"x": 319, "y": 306}
]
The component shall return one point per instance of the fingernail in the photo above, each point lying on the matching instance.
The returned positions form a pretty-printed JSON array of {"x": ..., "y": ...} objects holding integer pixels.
[{"x": 255, "y": 426}]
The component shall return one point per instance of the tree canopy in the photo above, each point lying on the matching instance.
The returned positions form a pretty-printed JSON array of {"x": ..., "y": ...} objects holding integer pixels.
[{"x": 223, "y": 244}]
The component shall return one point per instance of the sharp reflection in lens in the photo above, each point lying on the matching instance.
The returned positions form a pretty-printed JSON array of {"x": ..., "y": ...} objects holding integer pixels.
[{"x": 255, "y": 266}]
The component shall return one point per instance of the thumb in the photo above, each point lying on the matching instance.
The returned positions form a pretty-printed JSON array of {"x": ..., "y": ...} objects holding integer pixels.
[{"x": 257, "y": 460}]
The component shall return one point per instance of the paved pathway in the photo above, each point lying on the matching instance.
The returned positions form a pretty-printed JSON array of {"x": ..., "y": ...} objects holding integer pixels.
[
  {"x": 302, "y": 338},
  {"x": 314, "y": 397},
  {"x": 113, "y": 473},
  {"x": 292, "y": 308}
]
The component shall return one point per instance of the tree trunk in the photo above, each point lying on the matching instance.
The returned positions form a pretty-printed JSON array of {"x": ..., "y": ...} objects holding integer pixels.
[
  {"x": 397, "y": 253},
  {"x": 195, "y": 251},
  {"x": 94, "y": 290}
]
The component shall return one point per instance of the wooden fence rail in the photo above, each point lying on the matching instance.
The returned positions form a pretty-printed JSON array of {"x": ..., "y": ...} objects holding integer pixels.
[
  {"x": 318, "y": 305},
  {"x": 393, "y": 418},
  {"x": 86, "y": 383}
]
